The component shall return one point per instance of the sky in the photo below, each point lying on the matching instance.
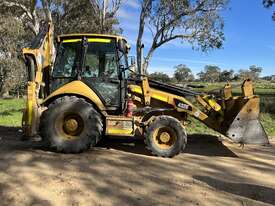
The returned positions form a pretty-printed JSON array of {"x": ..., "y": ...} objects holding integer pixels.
[{"x": 249, "y": 32}]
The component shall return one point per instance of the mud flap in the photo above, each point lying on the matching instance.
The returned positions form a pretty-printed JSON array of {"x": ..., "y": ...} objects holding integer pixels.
[{"x": 246, "y": 128}]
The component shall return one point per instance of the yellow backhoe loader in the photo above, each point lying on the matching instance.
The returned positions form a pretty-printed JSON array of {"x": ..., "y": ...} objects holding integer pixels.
[{"x": 84, "y": 93}]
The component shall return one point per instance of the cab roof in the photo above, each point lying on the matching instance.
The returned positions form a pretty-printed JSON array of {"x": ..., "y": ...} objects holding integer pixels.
[{"x": 77, "y": 36}]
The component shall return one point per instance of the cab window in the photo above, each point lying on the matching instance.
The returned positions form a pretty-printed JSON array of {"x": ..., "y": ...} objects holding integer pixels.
[
  {"x": 66, "y": 60},
  {"x": 100, "y": 60}
]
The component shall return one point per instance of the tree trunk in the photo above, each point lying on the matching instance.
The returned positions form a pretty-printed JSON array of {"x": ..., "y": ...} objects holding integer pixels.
[
  {"x": 139, "y": 48},
  {"x": 148, "y": 59},
  {"x": 145, "y": 7},
  {"x": 46, "y": 8},
  {"x": 138, "y": 51}
]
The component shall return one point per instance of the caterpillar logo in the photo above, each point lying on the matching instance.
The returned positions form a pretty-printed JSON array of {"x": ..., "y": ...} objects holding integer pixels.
[{"x": 182, "y": 105}]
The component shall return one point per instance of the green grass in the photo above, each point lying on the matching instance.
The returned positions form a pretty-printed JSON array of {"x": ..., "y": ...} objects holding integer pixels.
[
  {"x": 11, "y": 112},
  {"x": 268, "y": 121},
  {"x": 11, "y": 115},
  {"x": 261, "y": 88},
  {"x": 196, "y": 127}
]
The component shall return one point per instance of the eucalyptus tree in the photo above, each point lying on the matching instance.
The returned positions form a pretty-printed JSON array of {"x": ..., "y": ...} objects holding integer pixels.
[
  {"x": 183, "y": 73},
  {"x": 11, "y": 37},
  {"x": 68, "y": 16},
  {"x": 197, "y": 22}
]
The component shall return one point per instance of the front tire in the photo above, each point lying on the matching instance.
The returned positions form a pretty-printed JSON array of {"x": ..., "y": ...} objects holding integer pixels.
[
  {"x": 71, "y": 125},
  {"x": 165, "y": 136}
]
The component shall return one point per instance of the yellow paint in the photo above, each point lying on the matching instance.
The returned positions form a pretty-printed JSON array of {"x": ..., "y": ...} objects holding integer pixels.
[
  {"x": 71, "y": 126},
  {"x": 164, "y": 137},
  {"x": 67, "y": 36},
  {"x": 71, "y": 40},
  {"x": 29, "y": 120},
  {"x": 160, "y": 97},
  {"x": 29, "y": 109},
  {"x": 112, "y": 131},
  {"x": 169, "y": 98},
  {"x": 77, "y": 88},
  {"x": 214, "y": 105},
  {"x": 136, "y": 89},
  {"x": 98, "y": 40},
  {"x": 30, "y": 102}
]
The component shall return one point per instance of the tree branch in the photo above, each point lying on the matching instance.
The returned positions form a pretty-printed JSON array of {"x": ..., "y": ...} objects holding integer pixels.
[
  {"x": 46, "y": 9},
  {"x": 21, "y": 6}
]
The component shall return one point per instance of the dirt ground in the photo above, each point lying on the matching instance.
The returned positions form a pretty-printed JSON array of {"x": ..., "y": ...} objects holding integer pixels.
[{"x": 210, "y": 172}]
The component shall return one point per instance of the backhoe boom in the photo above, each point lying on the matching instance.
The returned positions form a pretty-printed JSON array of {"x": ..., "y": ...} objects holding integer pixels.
[{"x": 39, "y": 60}]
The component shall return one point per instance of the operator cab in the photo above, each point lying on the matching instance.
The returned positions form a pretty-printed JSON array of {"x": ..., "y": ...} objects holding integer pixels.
[{"x": 100, "y": 61}]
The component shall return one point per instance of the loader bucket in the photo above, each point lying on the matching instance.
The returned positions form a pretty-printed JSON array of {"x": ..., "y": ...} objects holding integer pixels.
[
  {"x": 241, "y": 116},
  {"x": 246, "y": 127}
]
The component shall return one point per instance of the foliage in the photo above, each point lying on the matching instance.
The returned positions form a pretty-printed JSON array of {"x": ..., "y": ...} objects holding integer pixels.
[
  {"x": 21, "y": 20},
  {"x": 11, "y": 31},
  {"x": 85, "y": 16},
  {"x": 12, "y": 75},
  {"x": 269, "y": 4},
  {"x": 211, "y": 73},
  {"x": 160, "y": 76},
  {"x": 27, "y": 13},
  {"x": 197, "y": 22},
  {"x": 252, "y": 73},
  {"x": 226, "y": 75},
  {"x": 11, "y": 67},
  {"x": 183, "y": 73},
  {"x": 268, "y": 121},
  {"x": 255, "y": 71},
  {"x": 69, "y": 16},
  {"x": 269, "y": 78}
]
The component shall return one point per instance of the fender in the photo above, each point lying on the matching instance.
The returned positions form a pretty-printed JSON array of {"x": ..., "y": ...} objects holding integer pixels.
[{"x": 77, "y": 88}]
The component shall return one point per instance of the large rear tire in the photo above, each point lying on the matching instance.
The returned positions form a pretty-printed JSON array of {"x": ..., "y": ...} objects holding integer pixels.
[
  {"x": 71, "y": 125},
  {"x": 165, "y": 136}
]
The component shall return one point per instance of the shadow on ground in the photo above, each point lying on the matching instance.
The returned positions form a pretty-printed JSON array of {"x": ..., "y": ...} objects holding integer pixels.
[
  {"x": 198, "y": 144},
  {"x": 266, "y": 195},
  {"x": 119, "y": 172}
]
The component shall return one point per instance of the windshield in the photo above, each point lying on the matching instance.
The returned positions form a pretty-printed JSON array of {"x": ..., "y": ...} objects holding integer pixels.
[
  {"x": 66, "y": 60},
  {"x": 99, "y": 61}
]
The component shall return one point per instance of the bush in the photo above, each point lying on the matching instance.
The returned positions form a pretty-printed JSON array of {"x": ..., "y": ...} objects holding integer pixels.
[{"x": 12, "y": 76}]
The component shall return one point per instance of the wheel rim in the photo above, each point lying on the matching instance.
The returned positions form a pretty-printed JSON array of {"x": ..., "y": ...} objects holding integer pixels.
[
  {"x": 72, "y": 126},
  {"x": 164, "y": 137}
]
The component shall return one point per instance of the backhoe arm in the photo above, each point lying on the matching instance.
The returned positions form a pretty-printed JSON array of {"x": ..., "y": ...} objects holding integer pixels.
[{"x": 39, "y": 59}]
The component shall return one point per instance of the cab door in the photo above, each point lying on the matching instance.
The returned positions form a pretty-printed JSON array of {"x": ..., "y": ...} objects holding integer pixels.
[{"x": 101, "y": 72}]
